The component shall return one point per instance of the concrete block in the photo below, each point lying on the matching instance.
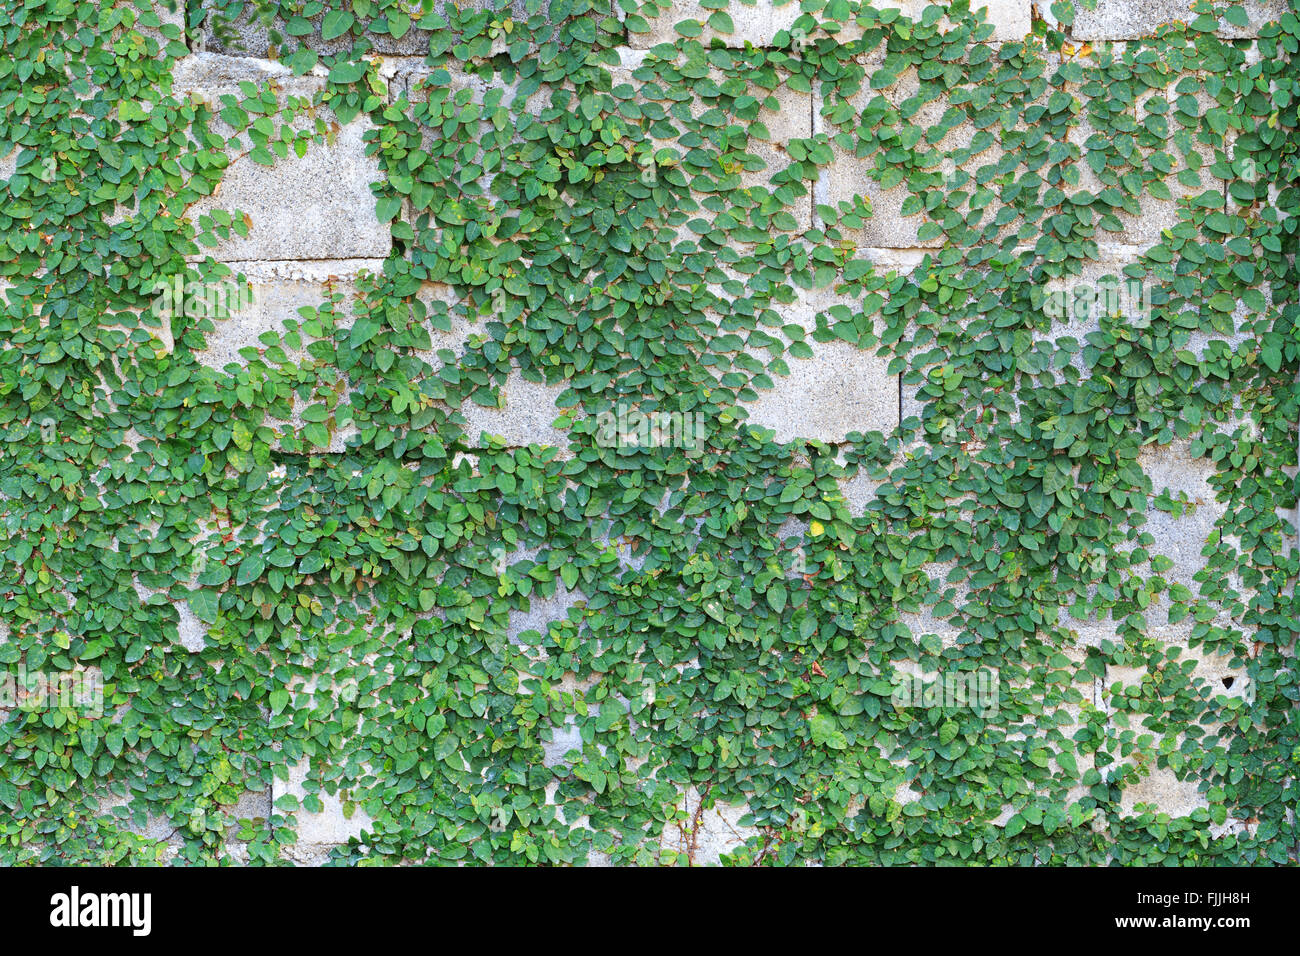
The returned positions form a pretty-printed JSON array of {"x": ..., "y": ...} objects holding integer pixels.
[
  {"x": 249, "y": 34},
  {"x": 9, "y": 164},
  {"x": 1221, "y": 677},
  {"x": 1106, "y": 272},
  {"x": 417, "y": 83},
  {"x": 793, "y": 120},
  {"x": 192, "y": 631},
  {"x": 318, "y": 206},
  {"x": 1010, "y": 18},
  {"x": 330, "y": 825},
  {"x": 523, "y": 417},
  {"x": 542, "y": 611},
  {"x": 840, "y": 389},
  {"x": 1130, "y": 19},
  {"x": 706, "y": 834},
  {"x": 859, "y": 491},
  {"x": 1161, "y": 787},
  {"x": 756, "y": 24},
  {"x": 252, "y": 805},
  {"x": 1144, "y": 227},
  {"x": 1181, "y": 538},
  {"x": 563, "y": 739},
  {"x": 849, "y": 176},
  {"x": 279, "y": 290},
  {"x": 790, "y": 118},
  {"x": 166, "y": 18}
]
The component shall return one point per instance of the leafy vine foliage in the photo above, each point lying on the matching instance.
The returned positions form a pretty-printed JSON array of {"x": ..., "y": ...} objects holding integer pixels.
[{"x": 358, "y": 605}]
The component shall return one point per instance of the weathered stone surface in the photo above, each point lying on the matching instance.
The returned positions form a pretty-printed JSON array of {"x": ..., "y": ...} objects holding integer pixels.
[
  {"x": 192, "y": 631},
  {"x": 563, "y": 739},
  {"x": 789, "y": 119},
  {"x": 9, "y": 164},
  {"x": 1162, "y": 786},
  {"x": 1130, "y": 19},
  {"x": 249, "y": 35},
  {"x": 1112, "y": 268},
  {"x": 793, "y": 120},
  {"x": 859, "y": 490},
  {"x": 318, "y": 206},
  {"x": 279, "y": 290},
  {"x": 758, "y": 23},
  {"x": 841, "y": 389},
  {"x": 850, "y": 176},
  {"x": 334, "y": 823}
]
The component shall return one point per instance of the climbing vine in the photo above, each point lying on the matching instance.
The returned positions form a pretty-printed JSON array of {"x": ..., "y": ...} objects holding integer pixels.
[{"x": 729, "y": 624}]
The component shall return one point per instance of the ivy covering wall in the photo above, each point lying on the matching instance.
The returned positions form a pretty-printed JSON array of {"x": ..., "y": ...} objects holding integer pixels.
[{"x": 338, "y": 622}]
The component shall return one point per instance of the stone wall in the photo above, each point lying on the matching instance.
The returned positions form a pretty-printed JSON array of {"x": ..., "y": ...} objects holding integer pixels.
[{"x": 313, "y": 224}]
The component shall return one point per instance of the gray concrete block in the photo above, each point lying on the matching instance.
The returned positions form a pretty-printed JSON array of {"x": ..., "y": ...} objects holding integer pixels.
[
  {"x": 330, "y": 826},
  {"x": 792, "y": 120},
  {"x": 788, "y": 117},
  {"x": 9, "y": 164},
  {"x": 279, "y": 290},
  {"x": 840, "y": 389},
  {"x": 523, "y": 418},
  {"x": 250, "y": 34},
  {"x": 704, "y": 835},
  {"x": 1181, "y": 537},
  {"x": 563, "y": 739},
  {"x": 1010, "y": 18},
  {"x": 1161, "y": 787},
  {"x": 318, "y": 206},
  {"x": 849, "y": 176},
  {"x": 192, "y": 631},
  {"x": 756, "y": 24},
  {"x": 859, "y": 491},
  {"x": 542, "y": 611},
  {"x": 1133, "y": 295},
  {"x": 171, "y": 23},
  {"x": 1154, "y": 215},
  {"x": 1130, "y": 19}
]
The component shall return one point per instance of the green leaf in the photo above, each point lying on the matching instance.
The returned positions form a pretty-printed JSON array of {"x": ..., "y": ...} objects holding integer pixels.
[
  {"x": 250, "y": 569},
  {"x": 335, "y": 23},
  {"x": 777, "y": 596},
  {"x": 205, "y": 605}
]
